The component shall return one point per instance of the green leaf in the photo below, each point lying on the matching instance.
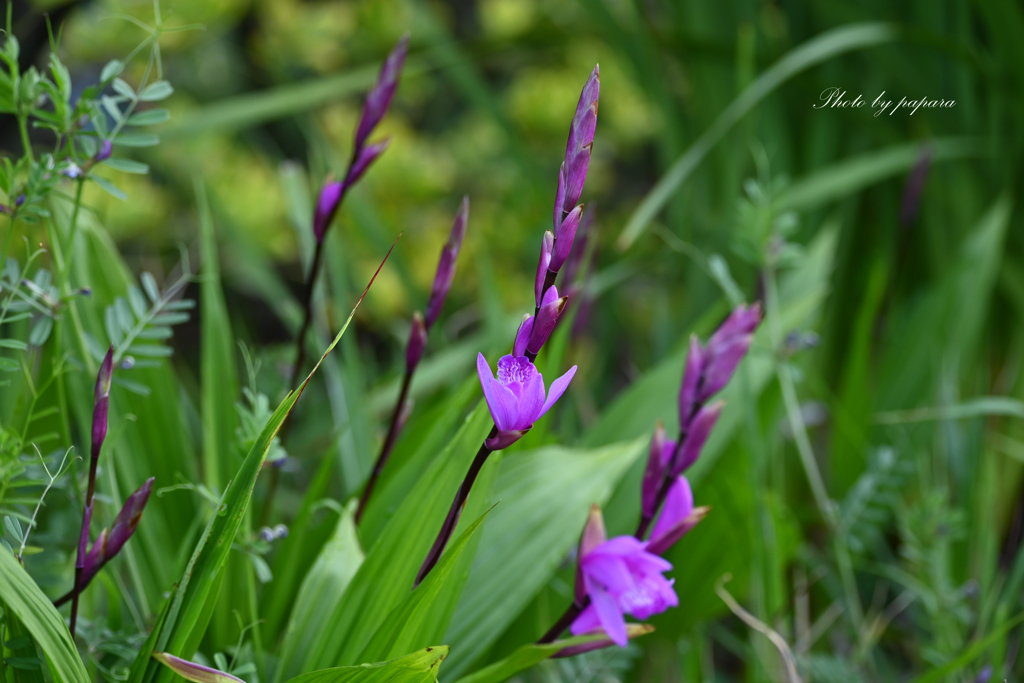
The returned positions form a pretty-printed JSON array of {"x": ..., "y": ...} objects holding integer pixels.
[
  {"x": 26, "y": 601},
  {"x": 419, "y": 667},
  {"x": 126, "y": 165},
  {"x": 530, "y": 654},
  {"x": 157, "y": 91},
  {"x": 389, "y": 570},
  {"x": 137, "y": 139},
  {"x": 111, "y": 69},
  {"x": 108, "y": 187},
  {"x": 150, "y": 117},
  {"x": 195, "y": 600},
  {"x": 421, "y": 615},
  {"x": 815, "y": 51},
  {"x": 521, "y": 546},
  {"x": 322, "y": 589},
  {"x": 123, "y": 89}
]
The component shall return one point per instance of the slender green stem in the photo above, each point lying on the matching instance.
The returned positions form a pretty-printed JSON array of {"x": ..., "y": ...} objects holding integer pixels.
[
  {"x": 806, "y": 452},
  {"x": 23, "y": 129}
]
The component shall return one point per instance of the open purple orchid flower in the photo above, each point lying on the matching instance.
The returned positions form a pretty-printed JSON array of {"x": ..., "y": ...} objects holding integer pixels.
[
  {"x": 516, "y": 398},
  {"x": 620, "y": 576}
]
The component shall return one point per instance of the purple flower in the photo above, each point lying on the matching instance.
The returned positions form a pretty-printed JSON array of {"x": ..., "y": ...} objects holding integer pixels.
[
  {"x": 564, "y": 237},
  {"x": 197, "y": 673},
  {"x": 377, "y": 102},
  {"x": 533, "y": 332},
  {"x": 697, "y": 433},
  {"x": 106, "y": 149},
  {"x": 594, "y": 534},
  {"x": 516, "y": 398},
  {"x": 379, "y": 98},
  {"x": 581, "y": 139},
  {"x": 657, "y": 461},
  {"x": 546, "y": 245},
  {"x": 111, "y": 541},
  {"x": 446, "y": 265},
  {"x": 417, "y": 341},
  {"x": 326, "y": 205},
  {"x": 621, "y": 577},
  {"x": 101, "y": 401},
  {"x": 709, "y": 368},
  {"x": 677, "y": 517},
  {"x": 365, "y": 156},
  {"x": 573, "y": 172}
]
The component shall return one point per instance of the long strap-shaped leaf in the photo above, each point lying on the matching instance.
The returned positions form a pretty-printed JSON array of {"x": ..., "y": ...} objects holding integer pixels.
[
  {"x": 419, "y": 667},
  {"x": 192, "y": 605},
  {"x": 23, "y": 597},
  {"x": 815, "y": 51}
]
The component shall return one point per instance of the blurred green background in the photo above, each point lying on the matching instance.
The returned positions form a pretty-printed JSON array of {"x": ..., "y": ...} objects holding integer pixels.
[{"x": 919, "y": 314}]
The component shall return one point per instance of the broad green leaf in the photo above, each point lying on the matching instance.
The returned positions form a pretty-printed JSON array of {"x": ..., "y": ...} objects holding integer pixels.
[
  {"x": 20, "y": 594},
  {"x": 815, "y": 51},
  {"x": 321, "y": 590},
  {"x": 194, "y": 602},
  {"x": 544, "y": 497},
  {"x": 387, "y": 574},
  {"x": 419, "y": 667},
  {"x": 421, "y": 616},
  {"x": 22, "y": 648},
  {"x": 219, "y": 382}
]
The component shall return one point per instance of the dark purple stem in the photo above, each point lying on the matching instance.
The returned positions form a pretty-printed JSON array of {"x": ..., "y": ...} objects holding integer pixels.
[
  {"x": 387, "y": 446},
  {"x": 456, "y": 510}
]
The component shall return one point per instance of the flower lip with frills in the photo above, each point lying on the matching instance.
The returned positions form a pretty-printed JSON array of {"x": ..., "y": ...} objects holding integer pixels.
[{"x": 516, "y": 398}]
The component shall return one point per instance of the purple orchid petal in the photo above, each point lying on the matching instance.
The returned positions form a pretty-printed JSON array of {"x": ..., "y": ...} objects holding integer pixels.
[
  {"x": 101, "y": 398},
  {"x": 500, "y": 401},
  {"x": 379, "y": 98},
  {"x": 670, "y": 536},
  {"x": 446, "y": 266},
  {"x": 543, "y": 264},
  {"x": 564, "y": 238},
  {"x": 83, "y": 540},
  {"x": 367, "y": 155},
  {"x": 326, "y": 205},
  {"x": 593, "y": 535},
  {"x": 417, "y": 342},
  {"x": 558, "y": 388},
  {"x": 691, "y": 382},
  {"x": 96, "y": 558},
  {"x": 128, "y": 519},
  {"x": 559, "y": 198},
  {"x": 660, "y": 453},
  {"x": 523, "y": 336},
  {"x": 532, "y": 400},
  {"x": 721, "y": 364},
  {"x": 545, "y": 321},
  {"x": 576, "y": 176},
  {"x": 586, "y": 622},
  {"x": 678, "y": 506},
  {"x": 608, "y": 613},
  {"x": 701, "y": 426},
  {"x": 590, "y": 94}
]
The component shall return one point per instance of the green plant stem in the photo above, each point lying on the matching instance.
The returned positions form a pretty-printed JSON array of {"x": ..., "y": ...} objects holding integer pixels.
[
  {"x": 806, "y": 452},
  {"x": 23, "y": 129},
  {"x": 387, "y": 446}
]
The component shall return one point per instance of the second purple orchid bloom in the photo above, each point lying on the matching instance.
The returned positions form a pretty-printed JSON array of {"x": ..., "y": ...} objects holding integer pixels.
[{"x": 516, "y": 398}]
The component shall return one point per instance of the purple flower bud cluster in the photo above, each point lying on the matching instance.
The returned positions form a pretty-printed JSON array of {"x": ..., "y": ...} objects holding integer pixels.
[
  {"x": 556, "y": 246},
  {"x": 88, "y": 560},
  {"x": 624, "y": 575},
  {"x": 110, "y": 542},
  {"x": 377, "y": 102}
]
